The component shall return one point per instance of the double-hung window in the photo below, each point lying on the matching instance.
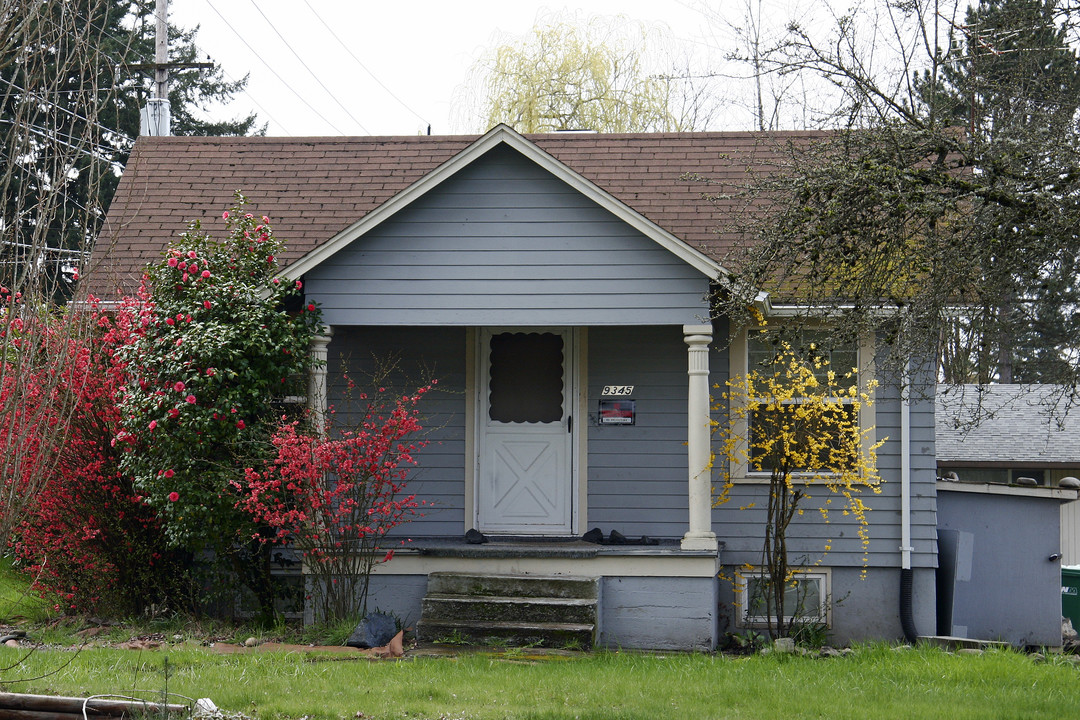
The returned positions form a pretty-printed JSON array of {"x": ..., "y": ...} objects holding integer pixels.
[{"x": 759, "y": 351}]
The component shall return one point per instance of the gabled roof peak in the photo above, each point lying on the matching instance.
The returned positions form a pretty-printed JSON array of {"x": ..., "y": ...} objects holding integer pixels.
[{"x": 503, "y": 134}]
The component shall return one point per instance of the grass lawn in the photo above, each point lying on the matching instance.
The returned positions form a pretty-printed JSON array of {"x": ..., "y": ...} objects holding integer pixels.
[
  {"x": 17, "y": 603},
  {"x": 873, "y": 682}
]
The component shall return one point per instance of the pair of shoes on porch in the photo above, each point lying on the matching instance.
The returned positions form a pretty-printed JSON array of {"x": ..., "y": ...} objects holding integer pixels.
[
  {"x": 475, "y": 537},
  {"x": 596, "y": 535}
]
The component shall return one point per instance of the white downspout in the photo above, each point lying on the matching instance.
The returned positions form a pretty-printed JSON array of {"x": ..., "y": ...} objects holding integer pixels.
[
  {"x": 907, "y": 579},
  {"x": 905, "y": 467}
]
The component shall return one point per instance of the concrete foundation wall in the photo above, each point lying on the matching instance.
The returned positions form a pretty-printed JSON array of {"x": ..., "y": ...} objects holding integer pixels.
[
  {"x": 635, "y": 612},
  {"x": 658, "y": 613},
  {"x": 861, "y": 609},
  {"x": 399, "y": 595}
]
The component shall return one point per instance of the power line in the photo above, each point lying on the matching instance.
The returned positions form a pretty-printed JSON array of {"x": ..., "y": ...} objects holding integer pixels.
[
  {"x": 54, "y": 135},
  {"x": 256, "y": 54},
  {"x": 251, "y": 97},
  {"x": 321, "y": 84},
  {"x": 42, "y": 99},
  {"x": 362, "y": 65},
  {"x": 127, "y": 46}
]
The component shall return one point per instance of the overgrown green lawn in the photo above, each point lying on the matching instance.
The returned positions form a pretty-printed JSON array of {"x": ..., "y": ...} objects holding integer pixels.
[
  {"x": 17, "y": 603},
  {"x": 873, "y": 682}
]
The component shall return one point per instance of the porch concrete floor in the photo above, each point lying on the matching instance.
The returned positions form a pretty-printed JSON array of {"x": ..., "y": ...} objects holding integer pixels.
[{"x": 539, "y": 547}]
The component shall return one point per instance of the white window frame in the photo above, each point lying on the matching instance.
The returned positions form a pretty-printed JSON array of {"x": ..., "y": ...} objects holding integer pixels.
[
  {"x": 822, "y": 575},
  {"x": 739, "y": 365}
]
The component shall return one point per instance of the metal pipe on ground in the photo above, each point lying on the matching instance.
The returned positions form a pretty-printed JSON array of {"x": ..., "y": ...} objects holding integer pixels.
[{"x": 20, "y": 706}]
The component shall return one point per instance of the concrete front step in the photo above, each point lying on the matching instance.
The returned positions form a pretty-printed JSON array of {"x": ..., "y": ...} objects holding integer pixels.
[
  {"x": 510, "y": 609},
  {"x": 556, "y": 611},
  {"x": 575, "y": 636},
  {"x": 549, "y": 586}
]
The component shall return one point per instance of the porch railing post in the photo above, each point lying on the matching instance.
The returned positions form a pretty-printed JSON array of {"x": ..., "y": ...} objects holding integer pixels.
[
  {"x": 317, "y": 397},
  {"x": 700, "y": 535}
]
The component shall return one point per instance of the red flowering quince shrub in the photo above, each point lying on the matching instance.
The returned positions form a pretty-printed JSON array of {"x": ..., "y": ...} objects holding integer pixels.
[
  {"x": 336, "y": 495},
  {"x": 88, "y": 540},
  {"x": 221, "y": 342}
]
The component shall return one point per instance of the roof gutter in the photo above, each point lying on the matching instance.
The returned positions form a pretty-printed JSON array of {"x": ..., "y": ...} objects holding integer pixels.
[{"x": 762, "y": 303}]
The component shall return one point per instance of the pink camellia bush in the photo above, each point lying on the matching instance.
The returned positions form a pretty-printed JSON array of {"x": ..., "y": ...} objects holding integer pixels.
[
  {"x": 336, "y": 499},
  {"x": 221, "y": 344}
]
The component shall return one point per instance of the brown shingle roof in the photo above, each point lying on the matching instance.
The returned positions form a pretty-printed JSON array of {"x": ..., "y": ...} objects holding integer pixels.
[{"x": 313, "y": 188}]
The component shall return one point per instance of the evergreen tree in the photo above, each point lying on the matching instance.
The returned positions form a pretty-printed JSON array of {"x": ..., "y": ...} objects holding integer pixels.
[
  {"x": 1011, "y": 72},
  {"x": 69, "y": 112},
  {"x": 1013, "y": 82}
]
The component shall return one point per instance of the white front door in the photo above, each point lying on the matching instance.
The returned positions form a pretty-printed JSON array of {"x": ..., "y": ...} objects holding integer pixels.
[{"x": 525, "y": 478}]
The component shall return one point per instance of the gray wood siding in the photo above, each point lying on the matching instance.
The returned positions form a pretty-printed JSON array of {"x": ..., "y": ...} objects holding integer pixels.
[
  {"x": 742, "y": 529},
  {"x": 637, "y": 479},
  {"x": 637, "y": 475},
  {"x": 439, "y": 476},
  {"x": 504, "y": 242}
]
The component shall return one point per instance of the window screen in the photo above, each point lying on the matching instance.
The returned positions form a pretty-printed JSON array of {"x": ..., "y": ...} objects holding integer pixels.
[{"x": 526, "y": 383}]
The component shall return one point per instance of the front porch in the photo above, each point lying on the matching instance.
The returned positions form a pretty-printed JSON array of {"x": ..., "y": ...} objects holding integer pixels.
[
  {"x": 648, "y": 596},
  {"x": 649, "y": 478}
]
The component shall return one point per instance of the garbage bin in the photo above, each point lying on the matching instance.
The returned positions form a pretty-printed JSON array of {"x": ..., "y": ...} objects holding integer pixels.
[{"x": 1070, "y": 594}]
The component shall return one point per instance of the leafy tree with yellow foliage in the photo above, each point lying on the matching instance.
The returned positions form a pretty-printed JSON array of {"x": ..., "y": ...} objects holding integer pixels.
[
  {"x": 796, "y": 421},
  {"x": 606, "y": 74}
]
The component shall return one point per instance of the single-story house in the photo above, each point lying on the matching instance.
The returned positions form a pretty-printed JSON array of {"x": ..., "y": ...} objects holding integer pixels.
[{"x": 559, "y": 286}]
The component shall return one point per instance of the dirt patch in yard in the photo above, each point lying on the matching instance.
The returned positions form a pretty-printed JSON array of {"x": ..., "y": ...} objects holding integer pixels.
[{"x": 394, "y": 649}]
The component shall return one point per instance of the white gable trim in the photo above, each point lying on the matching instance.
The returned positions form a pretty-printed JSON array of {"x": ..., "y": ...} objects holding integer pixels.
[{"x": 503, "y": 134}]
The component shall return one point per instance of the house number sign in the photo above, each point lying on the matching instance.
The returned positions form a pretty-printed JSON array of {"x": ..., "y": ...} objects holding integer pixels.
[{"x": 617, "y": 390}]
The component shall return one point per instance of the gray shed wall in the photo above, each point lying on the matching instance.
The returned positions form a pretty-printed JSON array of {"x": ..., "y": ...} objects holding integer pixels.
[
  {"x": 996, "y": 548},
  {"x": 503, "y": 242}
]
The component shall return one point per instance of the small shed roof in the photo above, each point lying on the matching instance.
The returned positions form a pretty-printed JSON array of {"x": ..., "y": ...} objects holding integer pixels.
[
  {"x": 1006, "y": 424},
  {"x": 314, "y": 188}
]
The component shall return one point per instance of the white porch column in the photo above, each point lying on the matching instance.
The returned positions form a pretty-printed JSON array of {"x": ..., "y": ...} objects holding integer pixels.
[
  {"x": 698, "y": 430},
  {"x": 317, "y": 398}
]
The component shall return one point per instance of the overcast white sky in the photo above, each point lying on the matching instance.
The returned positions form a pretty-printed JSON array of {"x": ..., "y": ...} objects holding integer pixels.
[{"x": 420, "y": 50}]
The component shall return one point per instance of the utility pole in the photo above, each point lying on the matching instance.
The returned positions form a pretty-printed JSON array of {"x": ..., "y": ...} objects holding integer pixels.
[
  {"x": 161, "y": 51},
  {"x": 155, "y": 118}
]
